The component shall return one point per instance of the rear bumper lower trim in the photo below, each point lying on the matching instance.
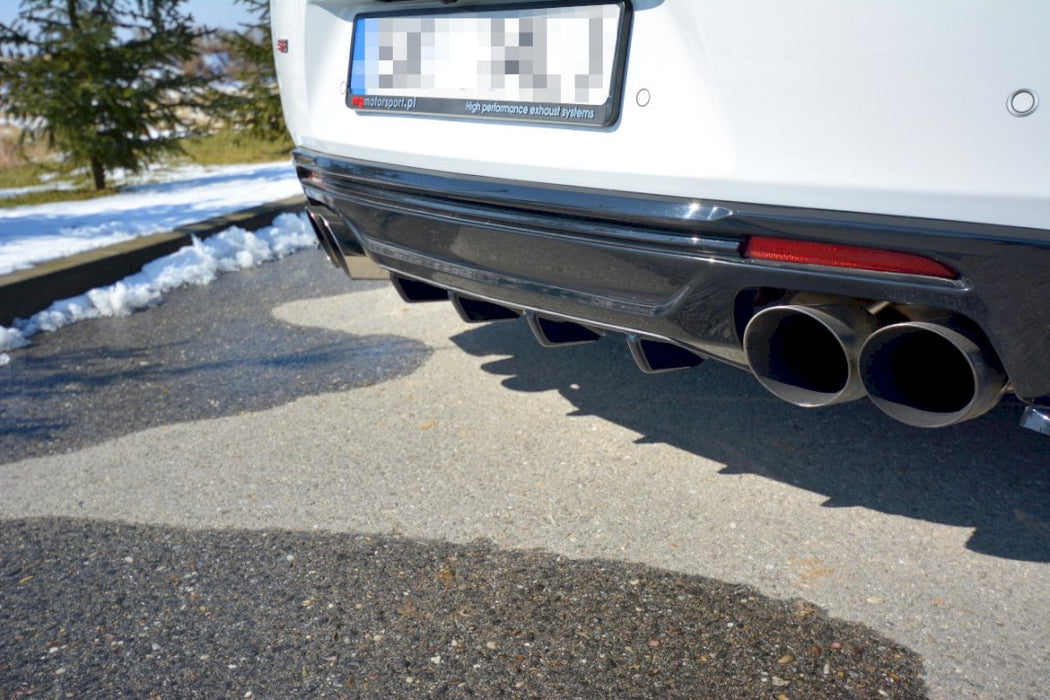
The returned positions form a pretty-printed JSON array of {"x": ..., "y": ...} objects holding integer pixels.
[{"x": 673, "y": 268}]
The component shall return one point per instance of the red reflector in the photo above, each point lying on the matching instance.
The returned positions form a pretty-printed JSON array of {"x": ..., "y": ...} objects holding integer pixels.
[{"x": 834, "y": 255}]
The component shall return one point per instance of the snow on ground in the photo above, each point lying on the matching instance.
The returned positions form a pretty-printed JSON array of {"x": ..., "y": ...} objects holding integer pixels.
[
  {"x": 32, "y": 234},
  {"x": 232, "y": 250}
]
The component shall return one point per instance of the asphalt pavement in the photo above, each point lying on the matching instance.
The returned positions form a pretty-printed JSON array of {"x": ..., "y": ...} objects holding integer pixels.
[
  {"x": 287, "y": 483},
  {"x": 100, "y": 609}
]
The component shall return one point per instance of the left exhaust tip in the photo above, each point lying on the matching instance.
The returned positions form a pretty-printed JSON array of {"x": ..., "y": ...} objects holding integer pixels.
[
  {"x": 326, "y": 239},
  {"x": 807, "y": 355}
]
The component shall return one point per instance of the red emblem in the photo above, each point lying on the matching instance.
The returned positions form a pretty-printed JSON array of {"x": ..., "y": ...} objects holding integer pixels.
[{"x": 282, "y": 46}]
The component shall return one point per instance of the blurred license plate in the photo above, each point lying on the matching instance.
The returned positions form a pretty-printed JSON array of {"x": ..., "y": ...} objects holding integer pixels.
[{"x": 554, "y": 64}]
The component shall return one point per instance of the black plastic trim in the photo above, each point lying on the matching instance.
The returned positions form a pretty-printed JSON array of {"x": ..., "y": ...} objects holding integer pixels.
[{"x": 671, "y": 267}]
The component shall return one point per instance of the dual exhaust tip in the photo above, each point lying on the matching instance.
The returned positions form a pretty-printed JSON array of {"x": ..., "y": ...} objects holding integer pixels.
[{"x": 931, "y": 371}]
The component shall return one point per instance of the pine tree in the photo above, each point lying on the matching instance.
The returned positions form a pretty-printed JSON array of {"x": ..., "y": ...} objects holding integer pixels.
[
  {"x": 101, "y": 80},
  {"x": 254, "y": 105}
]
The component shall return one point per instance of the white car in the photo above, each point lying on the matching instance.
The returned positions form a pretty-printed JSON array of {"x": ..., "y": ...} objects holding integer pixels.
[{"x": 846, "y": 199}]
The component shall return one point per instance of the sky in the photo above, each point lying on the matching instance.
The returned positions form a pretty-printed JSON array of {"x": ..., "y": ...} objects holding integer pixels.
[
  {"x": 32, "y": 233},
  {"x": 224, "y": 14}
]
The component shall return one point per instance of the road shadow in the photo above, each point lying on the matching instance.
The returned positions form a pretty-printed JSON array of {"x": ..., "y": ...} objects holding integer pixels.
[
  {"x": 103, "y": 609},
  {"x": 988, "y": 474},
  {"x": 204, "y": 353}
]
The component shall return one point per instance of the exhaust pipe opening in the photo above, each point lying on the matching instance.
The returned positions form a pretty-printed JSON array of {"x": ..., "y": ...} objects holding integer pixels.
[
  {"x": 550, "y": 333},
  {"x": 654, "y": 356},
  {"x": 807, "y": 355},
  {"x": 340, "y": 236},
  {"x": 479, "y": 311},
  {"x": 414, "y": 291},
  {"x": 325, "y": 239},
  {"x": 921, "y": 370},
  {"x": 929, "y": 375}
]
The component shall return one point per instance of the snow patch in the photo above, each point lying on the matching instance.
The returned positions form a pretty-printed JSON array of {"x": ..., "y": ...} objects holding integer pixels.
[
  {"x": 233, "y": 249},
  {"x": 11, "y": 339},
  {"x": 154, "y": 201}
]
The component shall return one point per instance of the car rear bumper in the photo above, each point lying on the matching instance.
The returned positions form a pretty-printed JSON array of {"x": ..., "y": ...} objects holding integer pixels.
[{"x": 674, "y": 269}]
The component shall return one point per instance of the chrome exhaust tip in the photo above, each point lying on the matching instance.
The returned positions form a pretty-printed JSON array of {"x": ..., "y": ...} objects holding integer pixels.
[
  {"x": 654, "y": 356},
  {"x": 325, "y": 238},
  {"x": 552, "y": 334},
  {"x": 480, "y": 311},
  {"x": 931, "y": 374},
  {"x": 331, "y": 225},
  {"x": 807, "y": 355},
  {"x": 414, "y": 291}
]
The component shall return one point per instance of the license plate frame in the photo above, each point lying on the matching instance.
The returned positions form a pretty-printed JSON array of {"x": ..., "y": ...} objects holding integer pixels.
[{"x": 387, "y": 72}]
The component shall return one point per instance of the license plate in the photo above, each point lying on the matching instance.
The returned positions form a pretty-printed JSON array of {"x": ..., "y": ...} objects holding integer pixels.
[{"x": 552, "y": 64}]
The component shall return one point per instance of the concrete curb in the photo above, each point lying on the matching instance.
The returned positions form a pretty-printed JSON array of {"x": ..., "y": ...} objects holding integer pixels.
[{"x": 25, "y": 292}]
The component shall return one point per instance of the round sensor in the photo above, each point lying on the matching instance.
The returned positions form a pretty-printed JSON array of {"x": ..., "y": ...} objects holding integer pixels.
[{"x": 1022, "y": 103}]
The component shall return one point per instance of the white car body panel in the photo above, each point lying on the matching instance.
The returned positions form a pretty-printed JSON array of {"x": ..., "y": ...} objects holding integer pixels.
[{"x": 894, "y": 107}]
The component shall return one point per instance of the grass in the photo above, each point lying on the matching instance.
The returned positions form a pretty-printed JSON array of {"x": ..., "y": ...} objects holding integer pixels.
[
  {"x": 55, "y": 196},
  {"x": 42, "y": 168},
  {"x": 224, "y": 149},
  {"x": 32, "y": 173},
  {"x": 30, "y": 166}
]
